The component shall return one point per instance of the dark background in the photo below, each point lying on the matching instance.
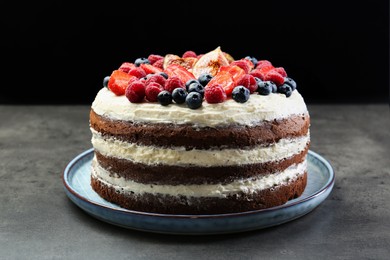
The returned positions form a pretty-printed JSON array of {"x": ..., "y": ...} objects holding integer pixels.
[{"x": 59, "y": 53}]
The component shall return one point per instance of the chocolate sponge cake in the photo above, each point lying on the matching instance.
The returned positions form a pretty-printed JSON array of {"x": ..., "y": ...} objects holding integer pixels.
[{"x": 225, "y": 144}]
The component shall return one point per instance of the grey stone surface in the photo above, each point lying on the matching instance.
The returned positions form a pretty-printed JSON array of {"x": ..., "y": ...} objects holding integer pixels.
[{"x": 38, "y": 221}]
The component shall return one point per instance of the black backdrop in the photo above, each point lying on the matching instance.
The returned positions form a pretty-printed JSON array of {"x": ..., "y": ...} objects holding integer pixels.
[{"x": 59, "y": 53}]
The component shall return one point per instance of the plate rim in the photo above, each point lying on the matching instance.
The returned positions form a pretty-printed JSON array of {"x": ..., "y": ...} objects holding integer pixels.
[{"x": 65, "y": 176}]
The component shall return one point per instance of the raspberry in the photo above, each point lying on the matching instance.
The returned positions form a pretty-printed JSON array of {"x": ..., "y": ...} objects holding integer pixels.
[
  {"x": 152, "y": 90},
  {"x": 263, "y": 63},
  {"x": 249, "y": 82},
  {"x": 135, "y": 92},
  {"x": 126, "y": 67},
  {"x": 137, "y": 72},
  {"x": 159, "y": 64},
  {"x": 257, "y": 73},
  {"x": 189, "y": 54},
  {"x": 281, "y": 71},
  {"x": 215, "y": 94},
  {"x": 172, "y": 83},
  {"x": 274, "y": 76},
  {"x": 242, "y": 64},
  {"x": 154, "y": 57},
  {"x": 156, "y": 78},
  {"x": 119, "y": 81},
  {"x": 150, "y": 69}
]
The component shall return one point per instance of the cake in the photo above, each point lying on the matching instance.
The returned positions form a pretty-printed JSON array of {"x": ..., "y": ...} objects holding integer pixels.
[{"x": 199, "y": 134}]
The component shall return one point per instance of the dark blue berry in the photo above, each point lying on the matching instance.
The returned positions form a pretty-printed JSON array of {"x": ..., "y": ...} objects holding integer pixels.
[
  {"x": 285, "y": 89},
  {"x": 140, "y": 61},
  {"x": 194, "y": 100},
  {"x": 189, "y": 82},
  {"x": 179, "y": 95},
  {"x": 291, "y": 82},
  {"x": 105, "y": 81},
  {"x": 204, "y": 78},
  {"x": 252, "y": 59},
  {"x": 196, "y": 87},
  {"x": 264, "y": 87},
  {"x": 164, "y": 98},
  {"x": 240, "y": 94},
  {"x": 164, "y": 75}
]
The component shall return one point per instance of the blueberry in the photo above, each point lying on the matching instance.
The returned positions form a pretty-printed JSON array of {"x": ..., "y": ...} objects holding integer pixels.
[
  {"x": 188, "y": 83},
  {"x": 252, "y": 59},
  {"x": 285, "y": 89},
  {"x": 164, "y": 75},
  {"x": 140, "y": 61},
  {"x": 164, "y": 98},
  {"x": 264, "y": 87},
  {"x": 179, "y": 95},
  {"x": 204, "y": 78},
  {"x": 291, "y": 82},
  {"x": 240, "y": 94},
  {"x": 105, "y": 81},
  {"x": 196, "y": 87},
  {"x": 194, "y": 100}
]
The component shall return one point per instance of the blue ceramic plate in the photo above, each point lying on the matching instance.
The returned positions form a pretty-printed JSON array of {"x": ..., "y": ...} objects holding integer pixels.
[{"x": 76, "y": 180}]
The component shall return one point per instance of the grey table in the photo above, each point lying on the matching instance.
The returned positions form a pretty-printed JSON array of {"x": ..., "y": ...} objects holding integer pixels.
[{"x": 38, "y": 221}]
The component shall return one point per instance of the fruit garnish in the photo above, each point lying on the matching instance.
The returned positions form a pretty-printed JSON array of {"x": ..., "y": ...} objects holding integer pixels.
[
  {"x": 263, "y": 63},
  {"x": 228, "y": 57},
  {"x": 253, "y": 60},
  {"x": 135, "y": 92},
  {"x": 249, "y": 82},
  {"x": 225, "y": 79},
  {"x": 186, "y": 62},
  {"x": 274, "y": 76},
  {"x": 164, "y": 98},
  {"x": 291, "y": 82},
  {"x": 179, "y": 95},
  {"x": 189, "y": 54},
  {"x": 140, "y": 61},
  {"x": 119, "y": 81},
  {"x": 282, "y": 71},
  {"x": 215, "y": 94},
  {"x": 126, "y": 66},
  {"x": 194, "y": 100},
  {"x": 240, "y": 94},
  {"x": 152, "y": 90},
  {"x": 179, "y": 71},
  {"x": 150, "y": 69},
  {"x": 106, "y": 79},
  {"x": 137, "y": 72},
  {"x": 244, "y": 64},
  {"x": 234, "y": 70},
  {"x": 210, "y": 63},
  {"x": 159, "y": 64},
  {"x": 169, "y": 59},
  {"x": 155, "y": 78},
  {"x": 196, "y": 87},
  {"x": 285, "y": 89},
  {"x": 205, "y": 78},
  {"x": 172, "y": 83},
  {"x": 265, "y": 87},
  {"x": 154, "y": 57}
]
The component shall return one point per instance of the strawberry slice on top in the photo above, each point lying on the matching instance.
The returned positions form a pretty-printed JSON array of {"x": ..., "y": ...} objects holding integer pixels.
[
  {"x": 179, "y": 71},
  {"x": 119, "y": 80}
]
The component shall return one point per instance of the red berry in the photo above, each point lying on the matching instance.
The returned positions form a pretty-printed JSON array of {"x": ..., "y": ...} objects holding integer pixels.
[
  {"x": 179, "y": 71},
  {"x": 189, "y": 54},
  {"x": 243, "y": 64},
  {"x": 214, "y": 94},
  {"x": 135, "y": 92},
  {"x": 263, "y": 63},
  {"x": 249, "y": 82},
  {"x": 159, "y": 64},
  {"x": 150, "y": 69},
  {"x": 156, "y": 78},
  {"x": 257, "y": 73},
  {"x": 119, "y": 81},
  {"x": 281, "y": 71},
  {"x": 275, "y": 77},
  {"x": 152, "y": 90},
  {"x": 154, "y": 57},
  {"x": 137, "y": 72},
  {"x": 172, "y": 83},
  {"x": 126, "y": 66}
]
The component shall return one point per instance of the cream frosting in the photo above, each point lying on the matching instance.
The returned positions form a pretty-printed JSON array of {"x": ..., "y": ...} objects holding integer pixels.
[
  {"x": 253, "y": 112},
  {"x": 152, "y": 155},
  {"x": 247, "y": 186}
]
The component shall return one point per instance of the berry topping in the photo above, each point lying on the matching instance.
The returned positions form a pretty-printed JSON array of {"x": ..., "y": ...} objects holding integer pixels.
[
  {"x": 205, "y": 78},
  {"x": 150, "y": 69},
  {"x": 189, "y": 54},
  {"x": 240, "y": 94},
  {"x": 252, "y": 59},
  {"x": 196, "y": 87},
  {"x": 119, "y": 81},
  {"x": 265, "y": 87},
  {"x": 285, "y": 89},
  {"x": 140, "y": 61},
  {"x": 179, "y": 71},
  {"x": 126, "y": 67},
  {"x": 137, "y": 72},
  {"x": 214, "y": 94},
  {"x": 191, "y": 81},
  {"x": 236, "y": 72},
  {"x": 225, "y": 79},
  {"x": 291, "y": 82},
  {"x": 243, "y": 64},
  {"x": 173, "y": 82},
  {"x": 158, "y": 64},
  {"x": 194, "y": 100},
  {"x": 105, "y": 81},
  {"x": 135, "y": 92},
  {"x": 249, "y": 82},
  {"x": 152, "y": 90},
  {"x": 154, "y": 57},
  {"x": 281, "y": 71},
  {"x": 257, "y": 74},
  {"x": 164, "y": 98},
  {"x": 164, "y": 75},
  {"x": 179, "y": 95},
  {"x": 274, "y": 76},
  {"x": 263, "y": 63},
  {"x": 210, "y": 63},
  {"x": 155, "y": 78}
]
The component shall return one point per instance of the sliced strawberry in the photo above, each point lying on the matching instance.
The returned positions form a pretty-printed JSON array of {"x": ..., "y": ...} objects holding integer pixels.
[
  {"x": 234, "y": 70},
  {"x": 179, "y": 71},
  {"x": 119, "y": 81},
  {"x": 225, "y": 79},
  {"x": 150, "y": 69}
]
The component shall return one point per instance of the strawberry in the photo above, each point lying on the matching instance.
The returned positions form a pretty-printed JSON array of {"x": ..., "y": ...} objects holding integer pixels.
[
  {"x": 135, "y": 92},
  {"x": 214, "y": 94},
  {"x": 126, "y": 66},
  {"x": 150, "y": 69},
  {"x": 249, "y": 82},
  {"x": 234, "y": 70},
  {"x": 275, "y": 77},
  {"x": 179, "y": 71},
  {"x": 225, "y": 79},
  {"x": 119, "y": 81}
]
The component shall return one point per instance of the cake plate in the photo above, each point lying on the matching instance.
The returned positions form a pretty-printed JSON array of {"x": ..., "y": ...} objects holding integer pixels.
[{"x": 76, "y": 180}]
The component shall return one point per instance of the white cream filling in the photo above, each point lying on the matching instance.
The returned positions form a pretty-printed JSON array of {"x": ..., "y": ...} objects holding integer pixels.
[
  {"x": 253, "y": 112},
  {"x": 152, "y": 155},
  {"x": 247, "y": 186}
]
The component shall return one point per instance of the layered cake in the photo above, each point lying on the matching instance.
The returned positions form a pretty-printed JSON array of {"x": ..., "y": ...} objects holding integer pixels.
[{"x": 199, "y": 134}]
